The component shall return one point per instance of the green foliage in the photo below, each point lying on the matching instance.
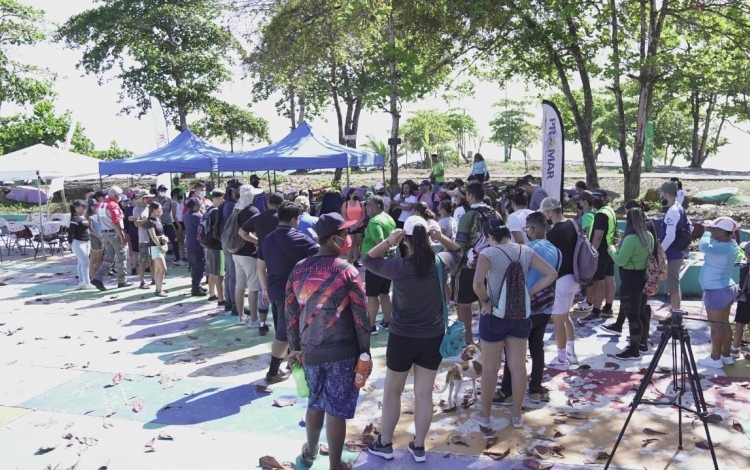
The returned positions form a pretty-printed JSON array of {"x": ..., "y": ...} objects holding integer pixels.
[
  {"x": 173, "y": 50},
  {"x": 19, "y": 26},
  {"x": 382, "y": 147},
  {"x": 231, "y": 124},
  {"x": 44, "y": 126},
  {"x": 512, "y": 122},
  {"x": 430, "y": 131}
]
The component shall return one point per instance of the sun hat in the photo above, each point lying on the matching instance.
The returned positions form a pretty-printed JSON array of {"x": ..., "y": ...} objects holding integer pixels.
[{"x": 669, "y": 187}]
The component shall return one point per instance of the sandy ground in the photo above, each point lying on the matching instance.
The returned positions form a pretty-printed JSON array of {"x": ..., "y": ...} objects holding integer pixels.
[{"x": 123, "y": 380}]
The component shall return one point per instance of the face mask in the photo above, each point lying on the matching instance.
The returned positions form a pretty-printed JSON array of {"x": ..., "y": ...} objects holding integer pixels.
[
  {"x": 598, "y": 204},
  {"x": 201, "y": 194},
  {"x": 162, "y": 193},
  {"x": 346, "y": 246},
  {"x": 442, "y": 190},
  {"x": 580, "y": 207},
  {"x": 664, "y": 202}
]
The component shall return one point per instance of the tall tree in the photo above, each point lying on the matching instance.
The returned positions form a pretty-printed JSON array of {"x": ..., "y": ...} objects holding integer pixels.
[
  {"x": 511, "y": 126},
  {"x": 20, "y": 26},
  {"x": 173, "y": 50},
  {"x": 231, "y": 124}
]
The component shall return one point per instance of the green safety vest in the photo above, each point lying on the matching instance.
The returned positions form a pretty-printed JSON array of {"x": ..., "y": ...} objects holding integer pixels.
[{"x": 612, "y": 224}]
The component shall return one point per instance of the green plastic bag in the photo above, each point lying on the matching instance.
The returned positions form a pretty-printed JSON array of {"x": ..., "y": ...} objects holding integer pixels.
[{"x": 299, "y": 379}]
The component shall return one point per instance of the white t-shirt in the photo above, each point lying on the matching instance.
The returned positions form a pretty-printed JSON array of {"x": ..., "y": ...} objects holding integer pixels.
[
  {"x": 411, "y": 199},
  {"x": 449, "y": 227},
  {"x": 517, "y": 221},
  {"x": 681, "y": 196}
]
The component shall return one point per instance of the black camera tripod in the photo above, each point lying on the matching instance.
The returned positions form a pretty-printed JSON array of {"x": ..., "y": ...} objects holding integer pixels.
[{"x": 684, "y": 370}]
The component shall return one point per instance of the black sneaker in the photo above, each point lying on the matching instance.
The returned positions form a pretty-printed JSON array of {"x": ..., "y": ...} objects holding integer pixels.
[
  {"x": 235, "y": 312},
  {"x": 377, "y": 448},
  {"x": 643, "y": 348},
  {"x": 417, "y": 453},
  {"x": 384, "y": 325},
  {"x": 198, "y": 293},
  {"x": 611, "y": 329},
  {"x": 628, "y": 355},
  {"x": 213, "y": 298},
  {"x": 279, "y": 377},
  {"x": 608, "y": 313},
  {"x": 133, "y": 272},
  {"x": 591, "y": 317},
  {"x": 124, "y": 284},
  {"x": 98, "y": 284},
  {"x": 501, "y": 398},
  {"x": 221, "y": 303},
  {"x": 263, "y": 330},
  {"x": 374, "y": 330}
]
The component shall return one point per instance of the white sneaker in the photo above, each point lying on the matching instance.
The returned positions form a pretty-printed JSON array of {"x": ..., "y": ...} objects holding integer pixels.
[
  {"x": 583, "y": 307},
  {"x": 710, "y": 363},
  {"x": 727, "y": 360},
  {"x": 557, "y": 364},
  {"x": 572, "y": 358},
  {"x": 253, "y": 323}
]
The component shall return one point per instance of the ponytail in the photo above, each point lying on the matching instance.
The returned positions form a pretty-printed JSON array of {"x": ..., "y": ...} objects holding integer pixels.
[{"x": 424, "y": 257}]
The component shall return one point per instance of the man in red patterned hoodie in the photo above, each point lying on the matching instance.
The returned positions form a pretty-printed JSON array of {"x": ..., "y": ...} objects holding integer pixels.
[{"x": 328, "y": 328}]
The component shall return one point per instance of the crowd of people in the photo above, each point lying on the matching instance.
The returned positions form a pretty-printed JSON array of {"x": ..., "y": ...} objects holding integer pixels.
[{"x": 334, "y": 270}]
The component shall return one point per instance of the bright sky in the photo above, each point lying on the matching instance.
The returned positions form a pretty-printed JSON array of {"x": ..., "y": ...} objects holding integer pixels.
[{"x": 95, "y": 106}]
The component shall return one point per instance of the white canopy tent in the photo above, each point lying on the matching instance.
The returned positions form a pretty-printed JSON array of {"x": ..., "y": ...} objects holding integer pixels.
[
  {"x": 47, "y": 163},
  {"x": 50, "y": 162}
]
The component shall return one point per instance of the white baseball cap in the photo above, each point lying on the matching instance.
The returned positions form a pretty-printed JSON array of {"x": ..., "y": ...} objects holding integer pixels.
[
  {"x": 378, "y": 187},
  {"x": 723, "y": 223},
  {"x": 412, "y": 222}
]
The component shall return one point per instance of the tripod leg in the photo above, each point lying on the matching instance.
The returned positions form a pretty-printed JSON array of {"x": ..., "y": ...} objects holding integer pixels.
[
  {"x": 641, "y": 391},
  {"x": 695, "y": 386}
]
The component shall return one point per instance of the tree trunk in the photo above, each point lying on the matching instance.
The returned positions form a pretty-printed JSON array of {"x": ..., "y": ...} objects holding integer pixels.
[
  {"x": 650, "y": 41},
  {"x": 301, "y": 116},
  {"x": 339, "y": 118},
  {"x": 617, "y": 89},
  {"x": 393, "y": 106},
  {"x": 703, "y": 149},
  {"x": 292, "y": 107},
  {"x": 695, "y": 113}
]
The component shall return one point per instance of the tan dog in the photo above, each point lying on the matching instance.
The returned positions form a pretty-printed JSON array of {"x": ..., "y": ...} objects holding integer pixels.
[{"x": 470, "y": 367}]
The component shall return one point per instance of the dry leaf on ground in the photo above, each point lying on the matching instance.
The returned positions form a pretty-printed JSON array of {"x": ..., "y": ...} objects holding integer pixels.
[
  {"x": 150, "y": 445},
  {"x": 283, "y": 403},
  {"x": 649, "y": 441},
  {"x": 269, "y": 462},
  {"x": 545, "y": 452},
  {"x": 537, "y": 465},
  {"x": 354, "y": 446},
  {"x": 457, "y": 439},
  {"x": 713, "y": 418},
  {"x": 496, "y": 455},
  {"x": 163, "y": 436},
  {"x": 653, "y": 432},
  {"x": 704, "y": 445},
  {"x": 737, "y": 426},
  {"x": 263, "y": 389},
  {"x": 117, "y": 379}
]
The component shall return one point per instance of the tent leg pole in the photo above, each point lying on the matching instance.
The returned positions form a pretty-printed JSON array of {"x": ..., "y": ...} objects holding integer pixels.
[
  {"x": 347, "y": 176},
  {"x": 383, "y": 169},
  {"x": 275, "y": 187},
  {"x": 101, "y": 184},
  {"x": 41, "y": 224}
]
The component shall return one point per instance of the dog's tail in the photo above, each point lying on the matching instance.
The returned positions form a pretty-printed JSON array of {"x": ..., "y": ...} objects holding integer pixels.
[{"x": 447, "y": 381}]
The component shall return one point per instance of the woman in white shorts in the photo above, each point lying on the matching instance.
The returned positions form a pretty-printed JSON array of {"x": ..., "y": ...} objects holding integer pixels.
[{"x": 157, "y": 246}]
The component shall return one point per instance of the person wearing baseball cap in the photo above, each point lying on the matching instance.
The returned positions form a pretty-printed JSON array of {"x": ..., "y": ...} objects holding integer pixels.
[
  {"x": 111, "y": 217},
  {"x": 602, "y": 237},
  {"x": 535, "y": 193},
  {"x": 719, "y": 289},
  {"x": 675, "y": 223},
  {"x": 416, "y": 329},
  {"x": 325, "y": 298}
]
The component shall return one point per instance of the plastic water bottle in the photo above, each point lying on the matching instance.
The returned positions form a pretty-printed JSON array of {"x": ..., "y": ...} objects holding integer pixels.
[
  {"x": 299, "y": 380},
  {"x": 360, "y": 370}
]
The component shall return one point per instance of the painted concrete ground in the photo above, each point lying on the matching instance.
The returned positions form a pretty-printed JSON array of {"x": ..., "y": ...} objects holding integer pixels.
[{"x": 121, "y": 379}]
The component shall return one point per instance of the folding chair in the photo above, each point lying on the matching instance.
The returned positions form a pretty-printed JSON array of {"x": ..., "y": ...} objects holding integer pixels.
[
  {"x": 49, "y": 236},
  {"x": 20, "y": 237},
  {"x": 4, "y": 235}
]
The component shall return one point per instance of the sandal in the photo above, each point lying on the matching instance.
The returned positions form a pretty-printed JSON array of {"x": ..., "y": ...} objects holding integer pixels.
[
  {"x": 143, "y": 286},
  {"x": 161, "y": 293},
  {"x": 306, "y": 456}
]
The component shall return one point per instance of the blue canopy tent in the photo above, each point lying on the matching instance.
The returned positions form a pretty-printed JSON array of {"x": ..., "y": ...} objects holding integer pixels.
[
  {"x": 186, "y": 153},
  {"x": 301, "y": 149}
]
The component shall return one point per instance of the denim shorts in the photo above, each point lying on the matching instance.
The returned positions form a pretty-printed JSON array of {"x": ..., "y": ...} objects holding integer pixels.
[
  {"x": 493, "y": 329},
  {"x": 332, "y": 388},
  {"x": 717, "y": 299}
]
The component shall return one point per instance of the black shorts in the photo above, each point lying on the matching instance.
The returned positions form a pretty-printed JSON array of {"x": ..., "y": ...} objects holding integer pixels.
[
  {"x": 743, "y": 313},
  {"x": 465, "y": 287},
  {"x": 279, "y": 320},
  {"x": 403, "y": 352},
  {"x": 376, "y": 285},
  {"x": 605, "y": 266}
]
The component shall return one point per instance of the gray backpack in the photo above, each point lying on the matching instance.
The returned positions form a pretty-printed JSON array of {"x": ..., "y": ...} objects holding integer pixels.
[
  {"x": 230, "y": 238},
  {"x": 585, "y": 258}
]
